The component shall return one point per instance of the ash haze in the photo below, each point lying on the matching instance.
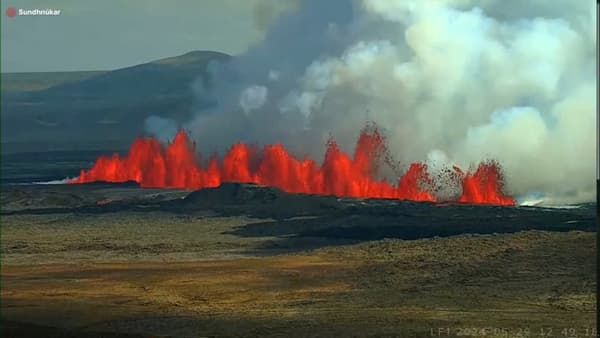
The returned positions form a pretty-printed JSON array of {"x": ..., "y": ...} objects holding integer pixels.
[{"x": 449, "y": 82}]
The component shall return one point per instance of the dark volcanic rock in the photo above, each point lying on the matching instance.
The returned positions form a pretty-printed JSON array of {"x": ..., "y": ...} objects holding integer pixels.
[
  {"x": 298, "y": 217},
  {"x": 259, "y": 201},
  {"x": 105, "y": 184},
  {"x": 234, "y": 193}
]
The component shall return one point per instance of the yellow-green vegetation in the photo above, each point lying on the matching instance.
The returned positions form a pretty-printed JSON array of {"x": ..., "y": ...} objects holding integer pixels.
[{"x": 162, "y": 274}]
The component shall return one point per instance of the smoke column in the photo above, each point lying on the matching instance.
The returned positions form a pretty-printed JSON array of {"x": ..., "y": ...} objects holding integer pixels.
[
  {"x": 451, "y": 82},
  {"x": 162, "y": 128}
]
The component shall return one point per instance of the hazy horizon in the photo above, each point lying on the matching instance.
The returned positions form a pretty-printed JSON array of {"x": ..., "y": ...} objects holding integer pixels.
[{"x": 108, "y": 35}]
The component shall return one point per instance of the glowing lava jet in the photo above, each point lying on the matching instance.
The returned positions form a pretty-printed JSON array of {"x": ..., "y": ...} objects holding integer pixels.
[{"x": 178, "y": 165}]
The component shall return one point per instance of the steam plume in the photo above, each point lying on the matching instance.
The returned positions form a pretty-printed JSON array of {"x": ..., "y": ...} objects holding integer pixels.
[
  {"x": 450, "y": 82},
  {"x": 162, "y": 128}
]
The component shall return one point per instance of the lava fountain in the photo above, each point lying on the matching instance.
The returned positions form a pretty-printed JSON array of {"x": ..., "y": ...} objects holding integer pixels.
[{"x": 178, "y": 165}]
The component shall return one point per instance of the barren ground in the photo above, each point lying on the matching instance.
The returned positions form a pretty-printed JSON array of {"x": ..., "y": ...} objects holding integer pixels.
[{"x": 71, "y": 268}]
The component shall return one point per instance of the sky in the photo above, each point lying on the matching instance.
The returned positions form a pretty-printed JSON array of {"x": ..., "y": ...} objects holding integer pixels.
[{"x": 110, "y": 34}]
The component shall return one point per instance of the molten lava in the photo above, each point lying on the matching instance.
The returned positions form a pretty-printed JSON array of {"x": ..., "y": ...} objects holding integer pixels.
[{"x": 178, "y": 165}]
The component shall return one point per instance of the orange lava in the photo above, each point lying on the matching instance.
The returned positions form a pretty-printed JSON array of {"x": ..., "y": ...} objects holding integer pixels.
[{"x": 178, "y": 165}]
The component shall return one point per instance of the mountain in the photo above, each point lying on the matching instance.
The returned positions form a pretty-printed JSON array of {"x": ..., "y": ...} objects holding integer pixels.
[{"x": 99, "y": 110}]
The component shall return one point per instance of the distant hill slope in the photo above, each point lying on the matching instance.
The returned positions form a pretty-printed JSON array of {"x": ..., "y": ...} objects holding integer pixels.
[
  {"x": 43, "y": 80},
  {"x": 104, "y": 108},
  {"x": 166, "y": 77}
]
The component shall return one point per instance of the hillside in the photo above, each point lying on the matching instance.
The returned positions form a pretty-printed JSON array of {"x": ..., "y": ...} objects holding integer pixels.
[
  {"x": 101, "y": 109},
  {"x": 25, "y": 82}
]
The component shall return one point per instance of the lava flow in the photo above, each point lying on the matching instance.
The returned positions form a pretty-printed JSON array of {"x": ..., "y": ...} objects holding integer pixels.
[{"x": 178, "y": 165}]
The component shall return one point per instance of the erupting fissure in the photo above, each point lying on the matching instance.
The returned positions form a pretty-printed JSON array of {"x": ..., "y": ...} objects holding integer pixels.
[{"x": 178, "y": 165}]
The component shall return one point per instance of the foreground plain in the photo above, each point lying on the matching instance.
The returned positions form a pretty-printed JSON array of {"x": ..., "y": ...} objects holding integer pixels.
[{"x": 110, "y": 261}]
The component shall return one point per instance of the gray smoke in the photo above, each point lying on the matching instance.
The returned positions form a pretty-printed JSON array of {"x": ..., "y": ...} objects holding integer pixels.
[
  {"x": 160, "y": 127},
  {"x": 448, "y": 81},
  {"x": 253, "y": 97}
]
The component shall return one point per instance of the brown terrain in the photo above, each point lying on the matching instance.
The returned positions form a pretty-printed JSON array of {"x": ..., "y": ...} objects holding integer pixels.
[{"x": 243, "y": 261}]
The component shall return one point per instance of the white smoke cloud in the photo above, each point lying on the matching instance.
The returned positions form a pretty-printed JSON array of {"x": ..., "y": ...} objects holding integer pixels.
[
  {"x": 253, "y": 97},
  {"x": 273, "y": 75},
  {"x": 457, "y": 81}
]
